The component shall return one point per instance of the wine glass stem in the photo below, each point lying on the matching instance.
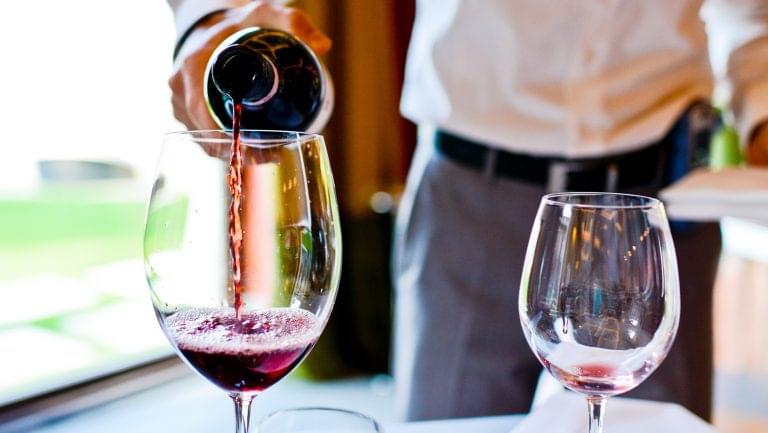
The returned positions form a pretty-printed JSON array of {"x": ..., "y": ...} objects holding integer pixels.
[
  {"x": 596, "y": 406},
  {"x": 242, "y": 412}
]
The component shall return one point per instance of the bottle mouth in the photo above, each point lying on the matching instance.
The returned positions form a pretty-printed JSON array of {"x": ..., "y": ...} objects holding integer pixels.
[
  {"x": 248, "y": 101},
  {"x": 244, "y": 75}
]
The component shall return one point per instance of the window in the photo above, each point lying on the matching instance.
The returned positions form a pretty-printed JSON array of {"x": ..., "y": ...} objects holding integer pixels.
[{"x": 85, "y": 104}]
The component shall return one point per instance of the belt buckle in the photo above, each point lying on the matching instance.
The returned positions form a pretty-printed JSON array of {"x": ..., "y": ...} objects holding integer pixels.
[
  {"x": 557, "y": 179},
  {"x": 489, "y": 169}
]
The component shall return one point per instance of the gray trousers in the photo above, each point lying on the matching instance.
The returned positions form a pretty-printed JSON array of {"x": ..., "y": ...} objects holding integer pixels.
[{"x": 459, "y": 347}]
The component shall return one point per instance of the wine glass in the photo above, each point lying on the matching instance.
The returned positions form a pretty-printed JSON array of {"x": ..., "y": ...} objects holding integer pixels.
[
  {"x": 243, "y": 277},
  {"x": 318, "y": 420},
  {"x": 599, "y": 297}
]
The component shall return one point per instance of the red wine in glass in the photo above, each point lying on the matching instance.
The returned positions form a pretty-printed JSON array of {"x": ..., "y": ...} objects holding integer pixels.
[{"x": 246, "y": 354}]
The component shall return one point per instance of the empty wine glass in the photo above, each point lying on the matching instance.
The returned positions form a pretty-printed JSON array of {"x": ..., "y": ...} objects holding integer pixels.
[
  {"x": 318, "y": 420},
  {"x": 599, "y": 297},
  {"x": 243, "y": 283}
]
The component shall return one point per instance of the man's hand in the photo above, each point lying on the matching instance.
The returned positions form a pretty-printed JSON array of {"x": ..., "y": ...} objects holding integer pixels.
[
  {"x": 757, "y": 150},
  {"x": 187, "y": 79}
]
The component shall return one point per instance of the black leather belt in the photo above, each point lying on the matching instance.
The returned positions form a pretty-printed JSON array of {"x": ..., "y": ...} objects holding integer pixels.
[{"x": 612, "y": 173}]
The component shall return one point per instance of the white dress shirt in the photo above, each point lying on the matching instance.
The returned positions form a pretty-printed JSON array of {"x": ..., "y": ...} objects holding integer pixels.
[
  {"x": 571, "y": 78},
  {"x": 579, "y": 78}
]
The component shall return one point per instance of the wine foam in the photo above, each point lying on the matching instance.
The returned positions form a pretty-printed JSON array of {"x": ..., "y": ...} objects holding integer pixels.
[{"x": 217, "y": 331}]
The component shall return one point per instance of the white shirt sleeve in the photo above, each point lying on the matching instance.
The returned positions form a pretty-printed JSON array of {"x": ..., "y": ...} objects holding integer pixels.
[
  {"x": 187, "y": 12},
  {"x": 738, "y": 33}
]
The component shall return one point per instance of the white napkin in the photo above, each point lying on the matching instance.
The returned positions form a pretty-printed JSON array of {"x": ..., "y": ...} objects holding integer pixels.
[
  {"x": 566, "y": 412},
  {"x": 708, "y": 195}
]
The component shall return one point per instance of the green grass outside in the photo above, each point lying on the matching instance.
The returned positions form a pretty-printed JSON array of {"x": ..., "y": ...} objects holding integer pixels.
[{"x": 66, "y": 230}]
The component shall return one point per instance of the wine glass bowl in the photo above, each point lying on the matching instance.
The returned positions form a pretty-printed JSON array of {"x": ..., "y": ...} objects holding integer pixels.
[
  {"x": 243, "y": 326},
  {"x": 599, "y": 298}
]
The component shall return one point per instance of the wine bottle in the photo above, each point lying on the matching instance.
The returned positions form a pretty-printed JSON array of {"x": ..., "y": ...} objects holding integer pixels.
[{"x": 277, "y": 79}]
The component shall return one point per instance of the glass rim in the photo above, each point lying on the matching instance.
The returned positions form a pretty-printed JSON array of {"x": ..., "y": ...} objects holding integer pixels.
[
  {"x": 270, "y": 131},
  {"x": 644, "y": 202},
  {"x": 361, "y": 415},
  {"x": 274, "y": 138}
]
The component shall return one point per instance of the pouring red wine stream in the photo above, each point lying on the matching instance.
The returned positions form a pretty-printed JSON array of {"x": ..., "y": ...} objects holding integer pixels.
[{"x": 262, "y": 79}]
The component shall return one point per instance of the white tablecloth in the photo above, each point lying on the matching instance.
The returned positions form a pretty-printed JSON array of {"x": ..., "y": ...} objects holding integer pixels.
[{"x": 566, "y": 412}]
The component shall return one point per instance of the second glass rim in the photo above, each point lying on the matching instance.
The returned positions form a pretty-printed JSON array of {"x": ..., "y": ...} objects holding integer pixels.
[
  {"x": 321, "y": 409},
  {"x": 646, "y": 202}
]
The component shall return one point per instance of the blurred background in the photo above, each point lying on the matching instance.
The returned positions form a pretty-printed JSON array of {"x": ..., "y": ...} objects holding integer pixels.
[{"x": 84, "y": 107}]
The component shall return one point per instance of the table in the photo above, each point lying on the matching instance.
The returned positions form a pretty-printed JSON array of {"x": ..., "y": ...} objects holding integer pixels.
[{"x": 191, "y": 404}]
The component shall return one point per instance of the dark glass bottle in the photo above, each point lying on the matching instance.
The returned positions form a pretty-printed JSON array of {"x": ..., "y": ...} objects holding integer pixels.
[{"x": 277, "y": 78}]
